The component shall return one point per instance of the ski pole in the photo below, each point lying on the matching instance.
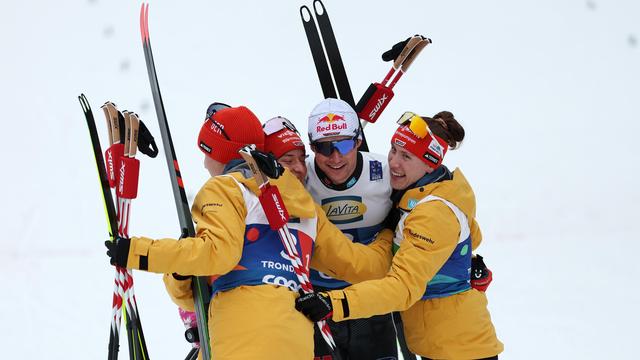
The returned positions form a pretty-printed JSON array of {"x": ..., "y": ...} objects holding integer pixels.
[{"x": 277, "y": 216}]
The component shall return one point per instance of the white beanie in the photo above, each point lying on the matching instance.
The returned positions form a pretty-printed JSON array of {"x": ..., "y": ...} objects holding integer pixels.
[{"x": 333, "y": 117}]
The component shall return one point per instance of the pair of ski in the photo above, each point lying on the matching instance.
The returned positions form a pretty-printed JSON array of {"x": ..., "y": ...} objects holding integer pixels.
[
  {"x": 119, "y": 172},
  {"x": 124, "y": 147},
  {"x": 326, "y": 55}
]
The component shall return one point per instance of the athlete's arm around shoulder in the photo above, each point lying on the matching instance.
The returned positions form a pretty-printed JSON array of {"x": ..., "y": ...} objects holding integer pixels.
[
  {"x": 219, "y": 213},
  {"x": 336, "y": 255},
  {"x": 430, "y": 235}
]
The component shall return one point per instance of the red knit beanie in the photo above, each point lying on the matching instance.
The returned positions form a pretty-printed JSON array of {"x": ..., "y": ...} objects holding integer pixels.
[
  {"x": 283, "y": 141},
  {"x": 227, "y": 131},
  {"x": 430, "y": 149}
]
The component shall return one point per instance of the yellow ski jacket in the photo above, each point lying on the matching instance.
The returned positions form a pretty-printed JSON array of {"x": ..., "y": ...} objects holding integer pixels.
[
  {"x": 257, "y": 321},
  {"x": 452, "y": 327}
]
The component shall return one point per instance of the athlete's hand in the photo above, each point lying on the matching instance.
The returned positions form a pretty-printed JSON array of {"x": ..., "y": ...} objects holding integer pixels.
[
  {"x": 315, "y": 306},
  {"x": 267, "y": 163},
  {"x": 118, "y": 251},
  {"x": 393, "y": 53},
  {"x": 481, "y": 276}
]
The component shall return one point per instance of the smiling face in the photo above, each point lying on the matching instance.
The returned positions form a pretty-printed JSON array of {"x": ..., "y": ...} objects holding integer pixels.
[
  {"x": 294, "y": 161},
  {"x": 405, "y": 167},
  {"x": 338, "y": 167}
]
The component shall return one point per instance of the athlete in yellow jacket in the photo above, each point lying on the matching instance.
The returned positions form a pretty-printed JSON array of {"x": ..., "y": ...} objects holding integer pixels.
[
  {"x": 252, "y": 313},
  {"x": 444, "y": 318}
]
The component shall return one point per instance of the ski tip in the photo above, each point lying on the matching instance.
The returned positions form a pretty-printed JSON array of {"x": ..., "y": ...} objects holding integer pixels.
[
  {"x": 84, "y": 103},
  {"x": 305, "y": 13},
  {"x": 146, "y": 22},
  {"x": 142, "y": 22},
  {"x": 315, "y": 8}
]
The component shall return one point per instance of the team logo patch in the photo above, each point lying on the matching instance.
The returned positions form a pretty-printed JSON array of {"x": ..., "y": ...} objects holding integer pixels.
[
  {"x": 344, "y": 209},
  {"x": 431, "y": 158},
  {"x": 210, "y": 207},
  {"x": 331, "y": 123},
  {"x": 375, "y": 170},
  {"x": 331, "y": 118},
  {"x": 205, "y": 147},
  {"x": 421, "y": 237},
  {"x": 436, "y": 148}
]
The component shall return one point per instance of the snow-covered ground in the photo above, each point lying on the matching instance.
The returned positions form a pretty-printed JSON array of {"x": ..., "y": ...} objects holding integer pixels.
[{"x": 547, "y": 91}]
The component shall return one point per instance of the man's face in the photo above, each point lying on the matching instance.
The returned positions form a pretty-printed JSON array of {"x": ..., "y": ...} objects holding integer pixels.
[
  {"x": 337, "y": 166},
  {"x": 294, "y": 160}
]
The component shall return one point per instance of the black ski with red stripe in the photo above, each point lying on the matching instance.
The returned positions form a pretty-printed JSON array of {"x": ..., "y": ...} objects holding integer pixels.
[{"x": 200, "y": 285}]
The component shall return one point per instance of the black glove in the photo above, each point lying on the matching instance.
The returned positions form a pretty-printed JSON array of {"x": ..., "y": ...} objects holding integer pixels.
[
  {"x": 392, "y": 219},
  {"x": 267, "y": 163},
  {"x": 146, "y": 142},
  {"x": 481, "y": 276},
  {"x": 180, "y": 277},
  {"x": 392, "y": 54},
  {"x": 118, "y": 251},
  {"x": 315, "y": 306}
]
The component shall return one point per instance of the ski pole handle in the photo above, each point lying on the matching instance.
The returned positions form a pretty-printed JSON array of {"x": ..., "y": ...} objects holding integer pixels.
[{"x": 414, "y": 53}]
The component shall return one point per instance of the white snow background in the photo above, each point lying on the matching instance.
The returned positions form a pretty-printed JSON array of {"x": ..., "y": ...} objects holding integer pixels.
[{"x": 547, "y": 91}]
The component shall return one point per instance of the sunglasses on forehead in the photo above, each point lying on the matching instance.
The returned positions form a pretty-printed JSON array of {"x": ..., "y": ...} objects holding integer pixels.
[
  {"x": 215, "y": 107},
  {"x": 278, "y": 123},
  {"x": 326, "y": 148},
  {"x": 212, "y": 109},
  {"x": 417, "y": 124}
]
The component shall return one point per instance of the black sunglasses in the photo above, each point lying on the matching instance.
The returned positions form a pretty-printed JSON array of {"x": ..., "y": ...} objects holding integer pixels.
[
  {"x": 326, "y": 148},
  {"x": 214, "y": 108}
]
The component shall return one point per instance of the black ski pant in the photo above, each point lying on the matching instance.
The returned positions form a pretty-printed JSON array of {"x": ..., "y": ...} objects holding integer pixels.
[
  {"x": 360, "y": 339},
  {"x": 404, "y": 349}
]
